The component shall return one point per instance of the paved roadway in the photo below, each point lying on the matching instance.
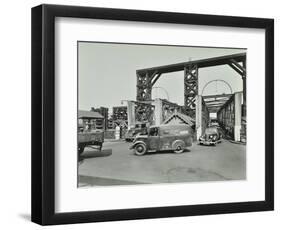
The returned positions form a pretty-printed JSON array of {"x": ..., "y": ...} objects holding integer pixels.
[{"x": 117, "y": 165}]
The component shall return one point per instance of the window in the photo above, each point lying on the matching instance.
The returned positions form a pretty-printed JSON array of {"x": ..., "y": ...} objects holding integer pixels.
[{"x": 153, "y": 132}]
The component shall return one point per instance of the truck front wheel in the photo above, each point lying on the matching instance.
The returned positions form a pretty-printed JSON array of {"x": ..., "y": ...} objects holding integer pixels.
[
  {"x": 178, "y": 146},
  {"x": 140, "y": 149},
  {"x": 81, "y": 149},
  {"x": 100, "y": 146}
]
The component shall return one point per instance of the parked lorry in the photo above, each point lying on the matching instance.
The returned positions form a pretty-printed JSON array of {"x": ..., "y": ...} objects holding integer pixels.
[{"x": 93, "y": 138}]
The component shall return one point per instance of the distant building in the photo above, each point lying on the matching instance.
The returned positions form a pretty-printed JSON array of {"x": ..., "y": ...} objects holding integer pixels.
[
  {"x": 104, "y": 112},
  {"x": 88, "y": 120}
]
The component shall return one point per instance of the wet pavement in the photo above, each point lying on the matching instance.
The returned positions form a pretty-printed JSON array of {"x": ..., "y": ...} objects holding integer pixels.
[{"x": 117, "y": 165}]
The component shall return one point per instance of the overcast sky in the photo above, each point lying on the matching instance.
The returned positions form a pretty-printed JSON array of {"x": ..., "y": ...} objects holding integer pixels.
[{"x": 107, "y": 72}]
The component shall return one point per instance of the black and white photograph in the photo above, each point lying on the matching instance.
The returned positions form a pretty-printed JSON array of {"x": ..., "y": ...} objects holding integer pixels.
[{"x": 151, "y": 114}]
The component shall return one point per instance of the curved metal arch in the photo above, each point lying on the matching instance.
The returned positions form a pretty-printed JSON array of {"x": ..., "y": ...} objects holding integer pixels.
[
  {"x": 159, "y": 87},
  {"x": 217, "y": 80}
]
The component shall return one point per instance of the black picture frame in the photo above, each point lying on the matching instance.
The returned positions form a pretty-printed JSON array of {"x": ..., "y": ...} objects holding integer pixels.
[{"x": 43, "y": 114}]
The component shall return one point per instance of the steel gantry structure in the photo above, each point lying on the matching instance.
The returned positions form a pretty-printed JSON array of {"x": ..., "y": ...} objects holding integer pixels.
[
  {"x": 146, "y": 78},
  {"x": 194, "y": 106},
  {"x": 215, "y": 102}
]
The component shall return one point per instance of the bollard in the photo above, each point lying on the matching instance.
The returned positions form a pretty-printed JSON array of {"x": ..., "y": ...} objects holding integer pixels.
[{"x": 117, "y": 133}]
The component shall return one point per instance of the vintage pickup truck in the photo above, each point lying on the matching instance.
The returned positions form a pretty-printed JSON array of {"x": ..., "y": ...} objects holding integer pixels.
[{"x": 90, "y": 138}]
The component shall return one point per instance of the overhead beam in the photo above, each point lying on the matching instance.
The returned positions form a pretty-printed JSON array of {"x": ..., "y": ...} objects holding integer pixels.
[
  {"x": 239, "y": 66},
  {"x": 233, "y": 66},
  {"x": 215, "y": 99},
  {"x": 214, "y": 106},
  {"x": 202, "y": 63},
  {"x": 210, "y": 100},
  {"x": 217, "y": 95},
  {"x": 214, "y": 102},
  {"x": 158, "y": 75}
]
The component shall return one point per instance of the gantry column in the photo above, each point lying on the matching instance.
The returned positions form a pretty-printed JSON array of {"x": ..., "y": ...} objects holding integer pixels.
[
  {"x": 190, "y": 88},
  {"x": 131, "y": 114},
  {"x": 158, "y": 111},
  {"x": 144, "y": 86}
]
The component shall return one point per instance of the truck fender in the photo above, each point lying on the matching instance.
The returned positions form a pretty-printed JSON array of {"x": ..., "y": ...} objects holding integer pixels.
[
  {"x": 178, "y": 142},
  {"x": 137, "y": 142}
]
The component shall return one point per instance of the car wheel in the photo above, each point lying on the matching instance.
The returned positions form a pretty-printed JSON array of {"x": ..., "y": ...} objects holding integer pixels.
[
  {"x": 140, "y": 149},
  {"x": 179, "y": 148}
]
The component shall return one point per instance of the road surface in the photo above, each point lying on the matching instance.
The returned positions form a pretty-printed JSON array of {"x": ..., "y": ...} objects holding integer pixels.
[{"x": 117, "y": 165}]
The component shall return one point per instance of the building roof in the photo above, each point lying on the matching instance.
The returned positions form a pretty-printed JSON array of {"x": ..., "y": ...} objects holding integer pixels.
[
  {"x": 83, "y": 114},
  {"x": 186, "y": 119}
]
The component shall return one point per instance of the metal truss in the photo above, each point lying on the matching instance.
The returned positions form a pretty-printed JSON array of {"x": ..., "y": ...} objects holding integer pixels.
[
  {"x": 169, "y": 108},
  {"x": 215, "y": 102},
  {"x": 145, "y": 82},
  {"x": 146, "y": 78},
  {"x": 190, "y": 88},
  {"x": 120, "y": 113},
  {"x": 144, "y": 112},
  {"x": 240, "y": 68}
]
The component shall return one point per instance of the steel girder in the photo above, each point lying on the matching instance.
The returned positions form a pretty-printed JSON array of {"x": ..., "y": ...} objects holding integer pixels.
[
  {"x": 215, "y": 102},
  {"x": 144, "y": 112},
  {"x": 190, "y": 88},
  {"x": 120, "y": 113},
  {"x": 146, "y": 78},
  {"x": 241, "y": 70},
  {"x": 143, "y": 87},
  {"x": 226, "y": 116},
  {"x": 168, "y": 108},
  {"x": 145, "y": 82}
]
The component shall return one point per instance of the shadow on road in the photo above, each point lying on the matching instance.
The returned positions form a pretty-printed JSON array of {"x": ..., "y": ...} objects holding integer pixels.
[
  {"x": 163, "y": 152},
  {"x": 95, "y": 153},
  {"x": 85, "y": 181}
]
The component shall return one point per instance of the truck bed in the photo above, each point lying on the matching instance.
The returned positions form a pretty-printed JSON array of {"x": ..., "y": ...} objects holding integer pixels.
[{"x": 92, "y": 136}]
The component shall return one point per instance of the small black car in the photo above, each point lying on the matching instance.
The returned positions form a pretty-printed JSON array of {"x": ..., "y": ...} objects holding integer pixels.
[{"x": 212, "y": 136}]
